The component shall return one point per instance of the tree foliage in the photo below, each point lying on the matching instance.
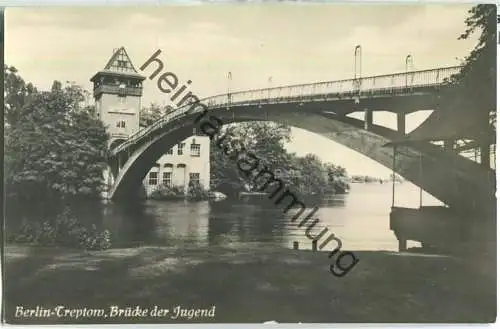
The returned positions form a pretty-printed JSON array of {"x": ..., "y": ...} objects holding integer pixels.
[
  {"x": 152, "y": 113},
  {"x": 474, "y": 87},
  {"x": 312, "y": 177},
  {"x": 16, "y": 94},
  {"x": 54, "y": 147},
  {"x": 266, "y": 141}
]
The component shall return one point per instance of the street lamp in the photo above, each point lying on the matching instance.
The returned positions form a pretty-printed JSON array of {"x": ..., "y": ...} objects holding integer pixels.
[
  {"x": 229, "y": 79},
  {"x": 357, "y": 62},
  {"x": 409, "y": 66},
  {"x": 357, "y": 66},
  {"x": 270, "y": 82}
]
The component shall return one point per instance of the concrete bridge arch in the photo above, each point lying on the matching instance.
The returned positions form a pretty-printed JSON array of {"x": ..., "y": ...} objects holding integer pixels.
[{"x": 457, "y": 181}]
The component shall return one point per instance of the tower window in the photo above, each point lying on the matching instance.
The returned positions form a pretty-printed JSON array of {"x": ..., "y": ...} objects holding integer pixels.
[
  {"x": 180, "y": 149},
  {"x": 120, "y": 124},
  {"x": 153, "y": 178},
  {"x": 195, "y": 150},
  {"x": 170, "y": 151}
]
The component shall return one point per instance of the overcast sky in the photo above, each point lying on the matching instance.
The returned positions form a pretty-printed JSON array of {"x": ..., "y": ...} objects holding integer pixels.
[{"x": 290, "y": 43}]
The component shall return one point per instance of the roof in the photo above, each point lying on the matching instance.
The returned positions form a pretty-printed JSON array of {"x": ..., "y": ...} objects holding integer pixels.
[{"x": 119, "y": 64}]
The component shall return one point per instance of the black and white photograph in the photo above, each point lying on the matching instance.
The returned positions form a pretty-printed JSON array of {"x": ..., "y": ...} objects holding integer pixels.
[{"x": 250, "y": 162}]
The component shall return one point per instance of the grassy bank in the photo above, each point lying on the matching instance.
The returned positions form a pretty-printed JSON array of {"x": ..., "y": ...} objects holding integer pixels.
[{"x": 256, "y": 285}]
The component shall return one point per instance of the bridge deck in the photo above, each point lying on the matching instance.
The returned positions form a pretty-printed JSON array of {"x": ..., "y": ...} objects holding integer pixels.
[{"x": 374, "y": 86}]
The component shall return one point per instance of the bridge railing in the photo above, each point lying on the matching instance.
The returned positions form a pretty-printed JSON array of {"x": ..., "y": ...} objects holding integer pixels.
[
  {"x": 388, "y": 82},
  {"x": 367, "y": 84}
]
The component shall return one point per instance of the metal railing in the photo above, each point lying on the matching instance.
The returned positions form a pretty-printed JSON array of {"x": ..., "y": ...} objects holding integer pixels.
[{"x": 308, "y": 92}]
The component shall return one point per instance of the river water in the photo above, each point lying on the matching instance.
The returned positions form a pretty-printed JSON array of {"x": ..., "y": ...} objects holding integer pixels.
[{"x": 360, "y": 219}]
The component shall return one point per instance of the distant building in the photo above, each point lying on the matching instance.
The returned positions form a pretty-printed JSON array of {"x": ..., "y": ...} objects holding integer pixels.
[{"x": 117, "y": 93}]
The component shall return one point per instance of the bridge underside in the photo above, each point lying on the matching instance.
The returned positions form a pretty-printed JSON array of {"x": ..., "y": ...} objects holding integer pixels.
[{"x": 458, "y": 182}]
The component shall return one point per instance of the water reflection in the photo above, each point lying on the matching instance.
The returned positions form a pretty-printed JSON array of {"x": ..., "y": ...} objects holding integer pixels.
[{"x": 360, "y": 219}]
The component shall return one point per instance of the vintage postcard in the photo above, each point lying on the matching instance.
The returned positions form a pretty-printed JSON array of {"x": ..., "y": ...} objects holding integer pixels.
[{"x": 250, "y": 163}]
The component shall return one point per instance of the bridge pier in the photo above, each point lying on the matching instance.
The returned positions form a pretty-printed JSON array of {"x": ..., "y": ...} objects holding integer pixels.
[
  {"x": 449, "y": 145},
  {"x": 485, "y": 154},
  {"x": 368, "y": 119},
  {"x": 401, "y": 244},
  {"x": 401, "y": 123}
]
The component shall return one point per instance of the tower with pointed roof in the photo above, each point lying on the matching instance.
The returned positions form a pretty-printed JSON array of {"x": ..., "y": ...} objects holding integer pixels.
[{"x": 117, "y": 93}]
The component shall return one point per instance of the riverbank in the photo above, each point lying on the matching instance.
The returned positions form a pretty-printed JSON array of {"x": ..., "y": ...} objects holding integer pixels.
[{"x": 255, "y": 285}]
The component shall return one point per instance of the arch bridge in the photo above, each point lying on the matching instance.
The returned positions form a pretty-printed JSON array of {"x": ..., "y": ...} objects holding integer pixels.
[{"x": 323, "y": 108}]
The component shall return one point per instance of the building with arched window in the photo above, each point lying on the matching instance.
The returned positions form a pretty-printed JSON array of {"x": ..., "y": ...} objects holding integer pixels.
[{"x": 188, "y": 161}]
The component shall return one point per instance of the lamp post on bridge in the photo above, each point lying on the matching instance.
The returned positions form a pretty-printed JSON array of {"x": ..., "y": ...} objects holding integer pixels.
[
  {"x": 357, "y": 86},
  {"x": 401, "y": 114},
  {"x": 229, "y": 80},
  {"x": 408, "y": 68},
  {"x": 357, "y": 66},
  {"x": 270, "y": 82}
]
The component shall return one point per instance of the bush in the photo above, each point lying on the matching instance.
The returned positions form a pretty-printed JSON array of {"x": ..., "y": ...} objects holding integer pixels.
[
  {"x": 197, "y": 192},
  {"x": 340, "y": 184},
  {"x": 65, "y": 230},
  {"x": 164, "y": 192}
]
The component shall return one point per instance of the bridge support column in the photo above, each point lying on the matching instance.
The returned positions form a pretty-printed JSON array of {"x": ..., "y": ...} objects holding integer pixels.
[
  {"x": 485, "y": 154},
  {"x": 401, "y": 123},
  {"x": 401, "y": 244},
  {"x": 368, "y": 119},
  {"x": 449, "y": 144}
]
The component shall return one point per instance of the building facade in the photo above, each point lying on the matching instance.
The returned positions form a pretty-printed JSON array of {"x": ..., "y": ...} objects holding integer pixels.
[
  {"x": 117, "y": 93},
  {"x": 187, "y": 161}
]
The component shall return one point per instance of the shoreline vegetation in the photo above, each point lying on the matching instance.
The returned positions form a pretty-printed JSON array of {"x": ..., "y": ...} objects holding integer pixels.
[
  {"x": 59, "y": 140},
  {"x": 386, "y": 286}
]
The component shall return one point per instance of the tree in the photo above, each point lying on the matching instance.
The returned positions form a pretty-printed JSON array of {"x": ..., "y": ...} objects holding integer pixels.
[
  {"x": 151, "y": 114},
  {"x": 337, "y": 177},
  {"x": 474, "y": 87},
  {"x": 265, "y": 140},
  {"x": 54, "y": 147},
  {"x": 312, "y": 175},
  {"x": 16, "y": 94}
]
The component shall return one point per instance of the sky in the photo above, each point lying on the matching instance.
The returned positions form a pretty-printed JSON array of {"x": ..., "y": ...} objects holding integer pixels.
[{"x": 291, "y": 43}]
